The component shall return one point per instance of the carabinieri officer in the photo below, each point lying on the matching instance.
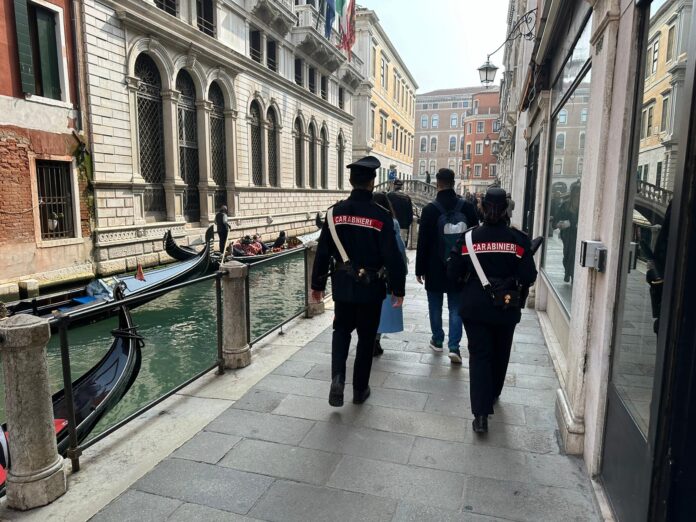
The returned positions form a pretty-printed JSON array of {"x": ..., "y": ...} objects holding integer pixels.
[
  {"x": 357, "y": 240},
  {"x": 492, "y": 298}
]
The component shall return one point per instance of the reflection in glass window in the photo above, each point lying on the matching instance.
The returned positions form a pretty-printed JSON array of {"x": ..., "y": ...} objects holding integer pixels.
[{"x": 564, "y": 191}]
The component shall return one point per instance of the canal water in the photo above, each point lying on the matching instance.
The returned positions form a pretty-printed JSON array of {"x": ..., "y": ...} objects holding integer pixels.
[{"x": 179, "y": 330}]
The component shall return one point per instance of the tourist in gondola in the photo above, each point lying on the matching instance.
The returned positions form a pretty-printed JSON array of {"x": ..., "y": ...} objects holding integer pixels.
[
  {"x": 391, "y": 319},
  {"x": 223, "y": 226},
  {"x": 260, "y": 244},
  {"x": 280, "y": 241}
]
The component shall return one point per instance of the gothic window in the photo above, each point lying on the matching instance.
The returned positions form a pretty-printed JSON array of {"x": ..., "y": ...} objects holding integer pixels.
[
  {"x": 272, "y": 145},
  {"x": 150, "y": 132},
  {"x": 299, "y": 152},
  {"x": 341, "y": 157},
  {"x": 424, "y": 144},
  {"x": 255, "y": 136},
  {"x": 188, "y": 144},
  {"x": 218, "y": 155},
  {"x": 324, "y": 159},
  {"x": 433, "y": 144},
  {"x": 312, "y": 156}
]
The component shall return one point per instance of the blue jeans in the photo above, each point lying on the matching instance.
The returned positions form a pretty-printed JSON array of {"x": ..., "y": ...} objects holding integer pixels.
[{"x": 455, "y": 321}]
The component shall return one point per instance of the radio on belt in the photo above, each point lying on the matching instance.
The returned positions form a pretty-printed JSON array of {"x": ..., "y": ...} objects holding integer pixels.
[{"x": 593, "y": 254}]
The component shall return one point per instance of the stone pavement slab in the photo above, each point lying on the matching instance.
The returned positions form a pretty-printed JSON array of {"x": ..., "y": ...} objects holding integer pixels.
[{"x": 281, "y": 453}]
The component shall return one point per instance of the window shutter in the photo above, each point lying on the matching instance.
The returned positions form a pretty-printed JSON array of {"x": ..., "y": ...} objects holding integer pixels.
[
  {"x": 48, "y": 52},
  {"x": 26, "y": 68}
]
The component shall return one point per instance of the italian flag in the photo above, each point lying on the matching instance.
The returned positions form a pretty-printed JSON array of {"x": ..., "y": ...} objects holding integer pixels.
[{"x": 345, "y": 11}]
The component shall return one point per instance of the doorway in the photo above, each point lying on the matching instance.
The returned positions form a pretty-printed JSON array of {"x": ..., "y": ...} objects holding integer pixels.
[{"x": 530, "y": 187}]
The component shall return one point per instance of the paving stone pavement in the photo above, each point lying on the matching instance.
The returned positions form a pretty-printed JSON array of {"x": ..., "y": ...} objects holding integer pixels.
[{"x": 281, "y": 453}]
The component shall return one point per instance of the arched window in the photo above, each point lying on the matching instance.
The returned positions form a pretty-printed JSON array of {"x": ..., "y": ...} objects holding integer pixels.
[
  {"x": 560, "y": 141},
  {"x": 453, "y": 144},
  {"x": 312, "y": 138},
  {"x": 272, "y": 148},
  {"x": 255, "y": 136},
  {"x": 433, "y": 144},
  {"x": 218, "y": 155},
  {"x": 341, "y": 157},
  {"x": 433, "y": 166},
  {"x": 150, "y": 133},
  {"x": 563, "y": 117},
  {"x": 324, "y": 159},
  {"x": 188, "y": 145},
  {"x": 454, "y": 120},
  {"x": 299, "y": 153},
  {"x": 435, "y": 121},
  {"x": 422, "y": 167},
  {"x": 424, "y": 144}
]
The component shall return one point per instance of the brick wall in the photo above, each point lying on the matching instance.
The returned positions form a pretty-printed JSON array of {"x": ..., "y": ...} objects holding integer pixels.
[{"x": 16, "y": 216}]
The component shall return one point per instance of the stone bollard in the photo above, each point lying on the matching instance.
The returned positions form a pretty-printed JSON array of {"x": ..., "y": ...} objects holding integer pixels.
[
  {"x": 235, "y": 338},
  {"x": 36, "y": 476},
  {"x": 313, "y": 309}
]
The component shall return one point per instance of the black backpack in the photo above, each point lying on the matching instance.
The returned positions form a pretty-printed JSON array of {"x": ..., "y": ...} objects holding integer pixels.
[{"x": 450, "y": 225}]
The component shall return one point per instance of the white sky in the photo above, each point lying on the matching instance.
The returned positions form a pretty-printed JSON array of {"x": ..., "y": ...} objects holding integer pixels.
[{"x": 443, "y": 42}]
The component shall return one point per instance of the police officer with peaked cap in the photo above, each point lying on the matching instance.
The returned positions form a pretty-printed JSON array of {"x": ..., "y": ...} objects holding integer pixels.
[
  {"x": 357, "y": 242},
  {"x": 491, "y": 312}
]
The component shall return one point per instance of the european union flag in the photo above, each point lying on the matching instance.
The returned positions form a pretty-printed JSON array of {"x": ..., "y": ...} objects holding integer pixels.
[{"x": 330, "y": 16}]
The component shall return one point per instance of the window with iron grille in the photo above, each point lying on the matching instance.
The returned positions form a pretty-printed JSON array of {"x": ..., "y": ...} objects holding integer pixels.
[
  {"x": 55, "y": 199},
  {"x": 312, "y": 80},
  {"x": 341, "y": 157},
  {"x": 150, "y": 132},
  {"x": 218, "y": 154},
  {"x": 312, "y": 157},
  {"x": 299, "y": 71},
  {"x": 206, "y": 16},
  {"x": 168, "y": 6},
  {"x": 342, "y": 103},
  {"x": 272, "y": 148},
  {"x": 324, "y": 87},
  {"x": 188, "y": 145},
  {"x": 255, "y": 134},
  {"x": 299, "y": 153},
  {"x": 324, "y": 159},
  {"x": 255, "y": 45},
  {"x": 272, "y": 55}
]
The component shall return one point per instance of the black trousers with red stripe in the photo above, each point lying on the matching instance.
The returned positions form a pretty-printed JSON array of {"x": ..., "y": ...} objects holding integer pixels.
[{"x": 489, "y": 354}]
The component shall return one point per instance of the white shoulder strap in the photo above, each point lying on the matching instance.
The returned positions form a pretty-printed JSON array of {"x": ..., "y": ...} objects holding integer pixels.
[
  {"x": 334, "y": 235},
  {"x": 474, "y": 259}
]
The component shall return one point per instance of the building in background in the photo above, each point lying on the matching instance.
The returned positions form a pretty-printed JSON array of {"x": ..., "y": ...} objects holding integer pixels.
[
  {"x": 440, "y": 119},
  {"x": 384, "y": 105},
  {"x": 481, "y": 127},
  {"x": 45, "y": 195},
  {"x": 196, "y": 104}
]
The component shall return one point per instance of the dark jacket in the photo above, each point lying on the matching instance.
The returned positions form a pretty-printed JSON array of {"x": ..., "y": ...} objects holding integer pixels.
[
  {"x": 504, "y": 254},
  {"x": 428, "y": 260},
  {"x": 366, "y": 231},
  {"x": 403, "y": 208}
]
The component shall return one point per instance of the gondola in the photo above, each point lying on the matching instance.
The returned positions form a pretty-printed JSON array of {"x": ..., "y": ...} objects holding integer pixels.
[
  {"x": 180, "y": 253},
  {"x": 95, "y": 393},
  {"x": 101, "y": 291}
]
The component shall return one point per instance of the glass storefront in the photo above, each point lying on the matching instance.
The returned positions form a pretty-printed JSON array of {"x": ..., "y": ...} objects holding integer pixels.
[{"x": 571, "y": 98}]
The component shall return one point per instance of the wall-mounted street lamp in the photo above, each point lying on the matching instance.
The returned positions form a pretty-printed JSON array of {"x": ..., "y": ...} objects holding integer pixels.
[{"x": 523, "y": 28}]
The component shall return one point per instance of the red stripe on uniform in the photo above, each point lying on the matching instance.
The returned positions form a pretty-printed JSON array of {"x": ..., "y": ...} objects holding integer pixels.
[{"x": 359, "y": 221}]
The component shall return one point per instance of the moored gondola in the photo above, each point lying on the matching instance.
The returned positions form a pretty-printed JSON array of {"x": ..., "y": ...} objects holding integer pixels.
[
  {"x": 180, "y": 253},
  {"x": 101, "y": 291},
  {"x": 95, "y": 393}
]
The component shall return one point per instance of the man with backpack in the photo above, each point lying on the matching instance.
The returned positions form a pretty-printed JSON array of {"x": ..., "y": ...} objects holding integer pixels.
[{"x": 441, "y": 224}]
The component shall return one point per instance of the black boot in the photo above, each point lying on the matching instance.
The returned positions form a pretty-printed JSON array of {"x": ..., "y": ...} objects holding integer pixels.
[
  {"x": 480, "y": 424},
  {"x": 377, "y": 351},
  {"x": 336, "y": 393},
  {"x": 361, "y": 396}
]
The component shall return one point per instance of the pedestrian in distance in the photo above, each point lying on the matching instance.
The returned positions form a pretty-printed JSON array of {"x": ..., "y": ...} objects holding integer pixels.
[
  {"x": 427, "y": 177},
  {"x": 223, "y": 227},
  {"x": 441, "y": 224},
  {"x": 494, "y": 264},
  {"x": 392, "y": 319},
  {"x": 403, "y": 209},
  {"x": 358, "y": 240}
]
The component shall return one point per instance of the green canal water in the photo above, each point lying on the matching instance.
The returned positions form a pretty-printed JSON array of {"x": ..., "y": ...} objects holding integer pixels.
[{"x": 179, "y": 330}]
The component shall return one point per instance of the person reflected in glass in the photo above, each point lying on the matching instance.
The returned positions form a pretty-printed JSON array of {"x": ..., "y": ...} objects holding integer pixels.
[{"x": 567, "y": 222}]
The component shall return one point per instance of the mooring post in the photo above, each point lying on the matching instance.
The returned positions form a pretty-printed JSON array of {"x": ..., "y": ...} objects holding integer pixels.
[
  {"x": 36, "y": 476},
  {"x": 313, "y": 309},
  {"x": 236, "y": 351}
]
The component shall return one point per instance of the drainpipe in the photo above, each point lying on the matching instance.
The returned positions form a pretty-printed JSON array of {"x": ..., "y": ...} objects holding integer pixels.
[{"x": 75, "y": 67}]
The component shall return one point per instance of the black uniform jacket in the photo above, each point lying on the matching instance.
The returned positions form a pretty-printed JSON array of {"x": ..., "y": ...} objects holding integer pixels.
[
  {"x": 366, "y": 231},
  {"x": 403, "y": 208},
  {"x": 503, "y": 252},
  {"x": 428, "y": 259}
]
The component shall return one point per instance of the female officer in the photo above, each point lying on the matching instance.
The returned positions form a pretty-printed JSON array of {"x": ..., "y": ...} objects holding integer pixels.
[{"x": 493, "y": 294}]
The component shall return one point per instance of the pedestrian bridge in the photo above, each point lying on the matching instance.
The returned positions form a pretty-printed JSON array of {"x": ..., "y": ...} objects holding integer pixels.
[
  {"x": 652, "y": 201},
  {"x": 421, "y": 193}
]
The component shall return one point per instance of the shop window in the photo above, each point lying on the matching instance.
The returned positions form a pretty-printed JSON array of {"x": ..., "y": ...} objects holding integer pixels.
[
  {"x": 55, "y": 191},
  {"x": 205, "y": 11},
  {"x": 255, "y": 45},
  {"x": 272, "y": 148}
]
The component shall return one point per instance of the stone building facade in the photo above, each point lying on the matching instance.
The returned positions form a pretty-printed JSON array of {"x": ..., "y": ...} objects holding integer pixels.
[
  {"x": 384, "y": 105},
  {"x": 45, "y": 194},
  {"x": 196, "y": 104},
  {"x": 481, "y": 128},
  {"x": 440, "y": 120}
]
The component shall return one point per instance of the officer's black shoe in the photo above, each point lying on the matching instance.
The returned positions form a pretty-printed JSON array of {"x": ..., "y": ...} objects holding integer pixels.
[
  {"x": 336, "y": 393},
  {"x": 480, "y": 424},
  {"x": 378, "y": 350},
  {"x": 361, "y": 396}
]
